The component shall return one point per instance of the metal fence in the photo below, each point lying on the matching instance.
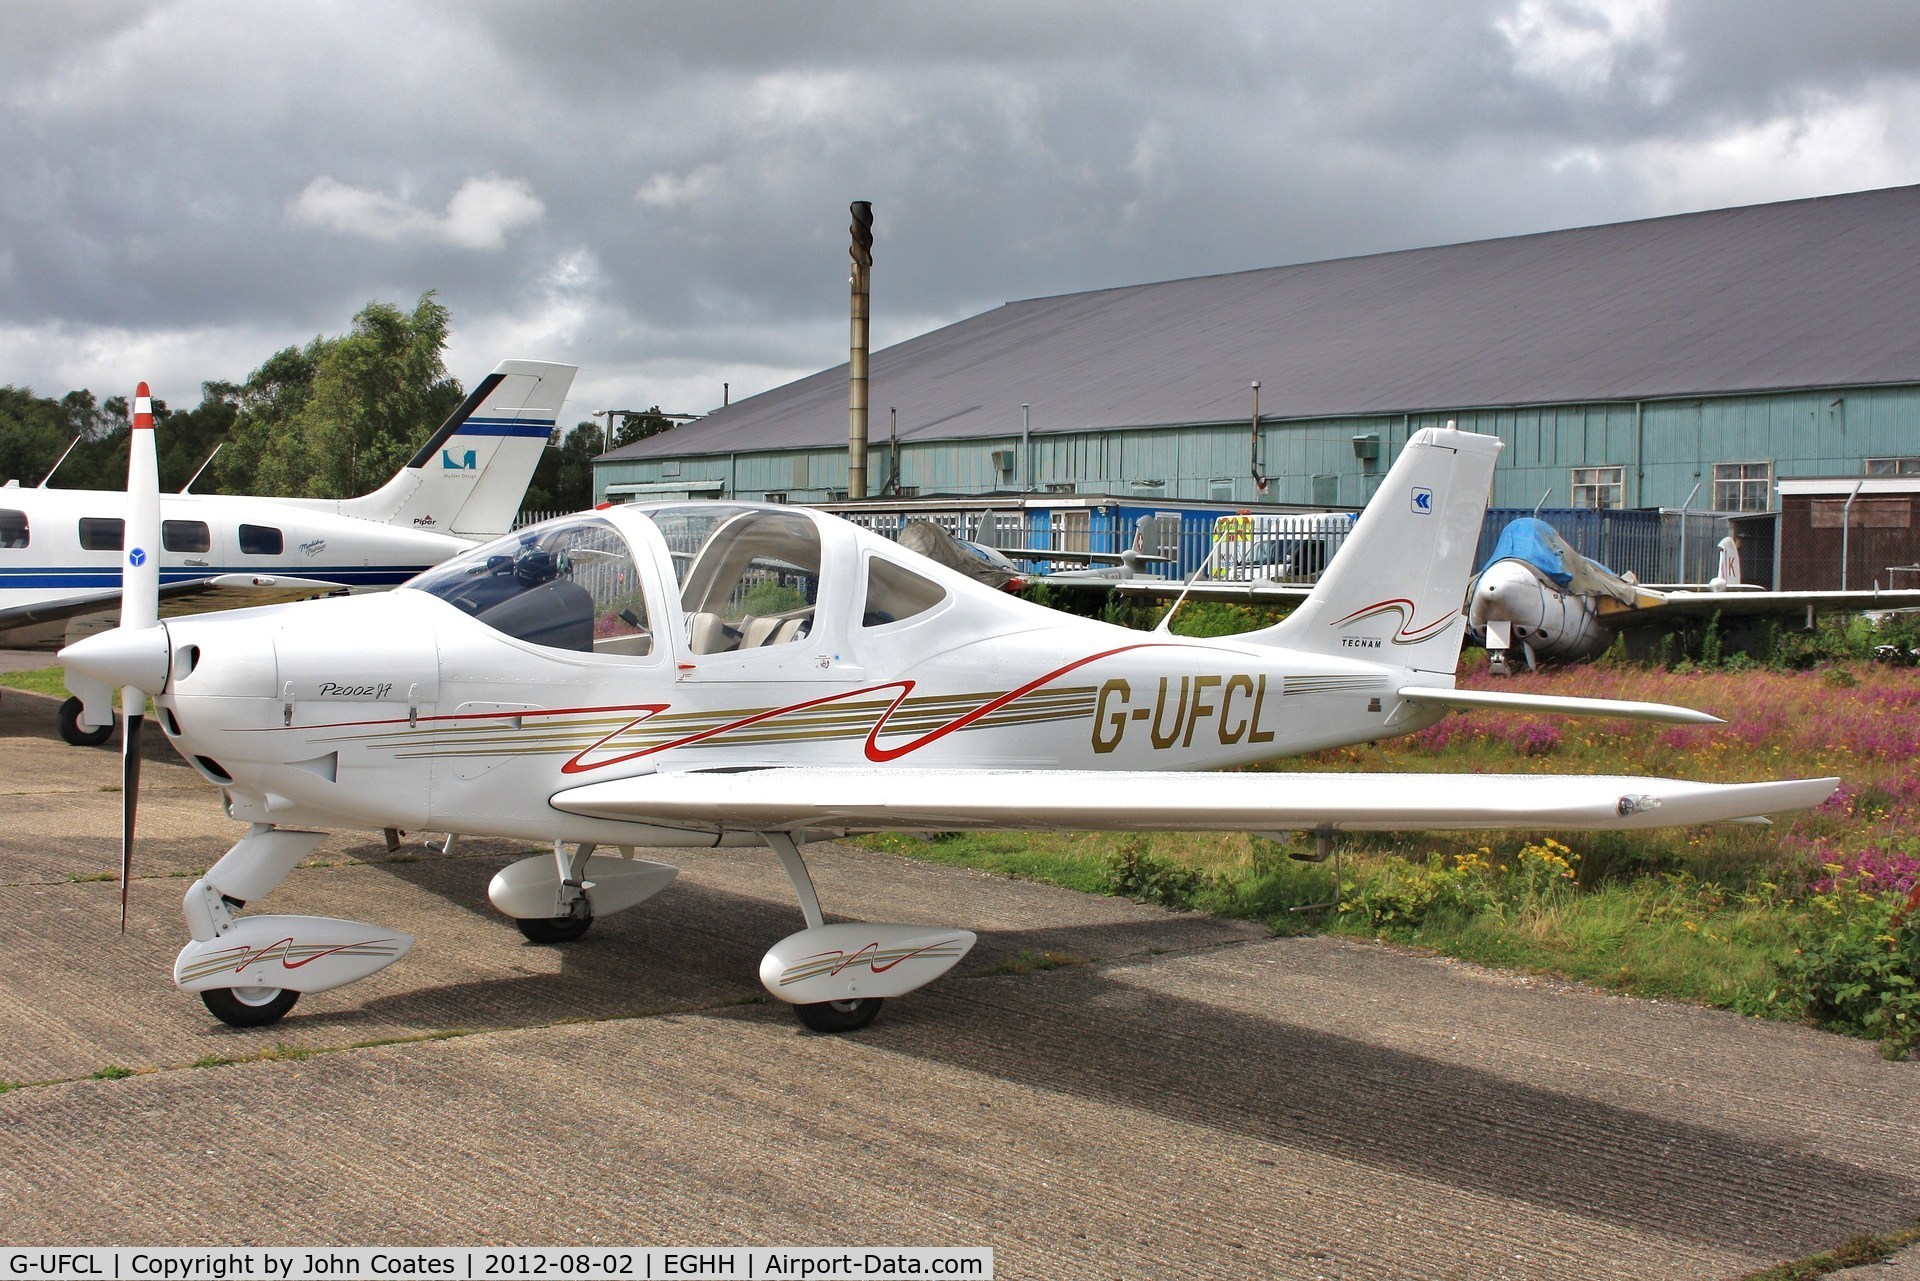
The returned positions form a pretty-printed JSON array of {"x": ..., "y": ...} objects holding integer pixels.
[{"x": 1667, "y": 546}]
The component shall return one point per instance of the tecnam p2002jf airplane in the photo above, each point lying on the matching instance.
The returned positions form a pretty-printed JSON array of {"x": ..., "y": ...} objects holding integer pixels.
[
  {"x": 732, "y": 674},
  {"x": 61, "y": 549}
]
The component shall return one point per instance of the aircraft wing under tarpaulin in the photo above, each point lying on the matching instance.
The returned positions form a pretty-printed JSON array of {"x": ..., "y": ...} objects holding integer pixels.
[
  {"x": 1662, "y": 607},
  {"x": 840, "y": 800}
]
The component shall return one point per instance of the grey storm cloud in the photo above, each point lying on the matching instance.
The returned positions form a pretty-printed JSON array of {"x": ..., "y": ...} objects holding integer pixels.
[{"x": 658, "y": 192}]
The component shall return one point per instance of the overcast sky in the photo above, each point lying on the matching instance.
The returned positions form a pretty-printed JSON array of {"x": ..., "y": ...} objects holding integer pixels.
[{"x": 658, "y": 192}]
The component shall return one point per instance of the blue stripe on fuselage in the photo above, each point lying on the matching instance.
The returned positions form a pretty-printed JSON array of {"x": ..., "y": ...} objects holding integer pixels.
[{"x": 109, "y": 575}]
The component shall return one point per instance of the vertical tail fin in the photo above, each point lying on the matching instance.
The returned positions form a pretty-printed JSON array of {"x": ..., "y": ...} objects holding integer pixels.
[
  {"x": 1395, "y": 589},
  {"x": 471, "y": 474}
]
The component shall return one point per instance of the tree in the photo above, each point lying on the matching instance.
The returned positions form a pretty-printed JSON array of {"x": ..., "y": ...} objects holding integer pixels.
[
  {"x": 564, "y": 479},
  {"x": 33, "y": 432},
  {"x": 329, "y": 420},
  {"x": 339, "y": 416}
]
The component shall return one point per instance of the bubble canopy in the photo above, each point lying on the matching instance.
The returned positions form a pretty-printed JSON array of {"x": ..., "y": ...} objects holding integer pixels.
[
  {"x": 568, "y": 583},
  {"x": 703, "y": 578}
]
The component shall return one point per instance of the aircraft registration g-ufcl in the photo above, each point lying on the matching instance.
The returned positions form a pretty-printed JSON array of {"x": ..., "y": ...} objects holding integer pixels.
[
  {"x": 60, "y": 549},
  {"x": 748, "y": 675}
]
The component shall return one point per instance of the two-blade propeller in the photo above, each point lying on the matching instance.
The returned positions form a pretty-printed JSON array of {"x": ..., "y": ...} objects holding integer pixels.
[{"x": 134, "y": 656}]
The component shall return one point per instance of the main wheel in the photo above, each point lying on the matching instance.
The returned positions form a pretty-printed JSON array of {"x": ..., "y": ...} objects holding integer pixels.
[
  {"x": 74, "y": 732},
  {"x": 556, "y": 929},
  {"x": 249, "y": 1006},
  {"x": 838, "y": 1016}
]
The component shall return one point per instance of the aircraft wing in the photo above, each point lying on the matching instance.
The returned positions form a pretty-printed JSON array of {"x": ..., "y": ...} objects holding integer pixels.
[
  {"x": 1264, "y": 592},
  {"x": 194, "y": 596},
  {"x": 1084, "y": 558},
  {"x": 831, "y": 801},
  {"x": 1750, "y": 604},
  {"x": 105, "y": 600}
]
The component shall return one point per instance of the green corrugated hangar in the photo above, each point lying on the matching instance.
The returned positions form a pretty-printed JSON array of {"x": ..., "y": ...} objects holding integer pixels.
[{"x": 1688, "y": 361}]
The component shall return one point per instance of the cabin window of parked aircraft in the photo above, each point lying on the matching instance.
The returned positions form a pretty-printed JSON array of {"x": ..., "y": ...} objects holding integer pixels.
[
  {"x": 185, "y": 536},
  {"x": 102, "y": 533},
  {"x": 1599, "y": 488},
  {"x": 1742, "y": 487},
  {"x": 261, "y": 540},
  {"x": 1893, "y": 466},
  {"x": 895, "y": 594},
  {"x": 748, "y": 578},
  {"x": 13, "y": 529}
]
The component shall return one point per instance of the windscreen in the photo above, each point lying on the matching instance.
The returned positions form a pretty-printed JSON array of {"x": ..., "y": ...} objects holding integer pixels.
[{"x": 568, "y": 583}]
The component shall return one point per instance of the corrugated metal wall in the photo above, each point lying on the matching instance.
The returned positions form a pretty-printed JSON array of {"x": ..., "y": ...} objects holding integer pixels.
[{"x": 1664, "y": 448}]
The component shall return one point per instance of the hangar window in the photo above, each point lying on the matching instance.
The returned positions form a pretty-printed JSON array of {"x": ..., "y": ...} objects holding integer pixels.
[
  {"x": 1599, "y": 488},
  {"x": 185, "y": 536},
  {"x": 1893, "y": 466},
  {"x": 102, "y": 533},
  {"x": 261, "y": 540},
  {"x": 13, "y": 529},
  {"x": 1742, "y": 487}
]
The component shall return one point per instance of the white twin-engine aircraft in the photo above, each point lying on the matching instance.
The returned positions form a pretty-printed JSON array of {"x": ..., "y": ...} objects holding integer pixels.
[
  {"x": 734, "y": 674},
  {"x": 61, "y": 549}
]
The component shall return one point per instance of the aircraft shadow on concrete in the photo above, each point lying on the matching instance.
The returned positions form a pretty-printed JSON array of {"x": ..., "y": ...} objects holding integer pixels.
[
  {"x": 694, "y": 947},
  {"x": 696, "y": 950},
  {"x": 1302, "y": 1087}
]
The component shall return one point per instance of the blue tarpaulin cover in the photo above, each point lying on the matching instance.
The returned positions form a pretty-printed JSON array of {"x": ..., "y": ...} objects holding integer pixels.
[{"x": 1539, "y": 544}]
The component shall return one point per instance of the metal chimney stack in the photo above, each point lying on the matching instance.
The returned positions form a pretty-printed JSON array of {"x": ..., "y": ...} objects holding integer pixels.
[{"x": 862, "y": 253}]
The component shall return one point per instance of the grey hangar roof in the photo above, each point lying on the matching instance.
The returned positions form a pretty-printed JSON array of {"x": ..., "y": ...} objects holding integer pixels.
[{"x": 1799, "y": 294}]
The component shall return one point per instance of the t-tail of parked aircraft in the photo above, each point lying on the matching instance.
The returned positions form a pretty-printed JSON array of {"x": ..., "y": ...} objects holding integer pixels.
[{"x": 469, "y": 477}]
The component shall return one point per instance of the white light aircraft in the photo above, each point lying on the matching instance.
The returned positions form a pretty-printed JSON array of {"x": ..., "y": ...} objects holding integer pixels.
[
  {"x": 1540, "y": 595},
  {"x": 732, "y": 674},
  {"x": 60, "y": 549}
]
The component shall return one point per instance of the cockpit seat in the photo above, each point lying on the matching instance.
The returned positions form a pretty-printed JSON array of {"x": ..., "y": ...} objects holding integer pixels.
[
  {"x": 775, "y": 630},
  {"x": 707, "y": 633}
]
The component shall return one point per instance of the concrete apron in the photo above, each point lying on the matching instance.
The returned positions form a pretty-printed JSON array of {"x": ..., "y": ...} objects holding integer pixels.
[{"x": 1194, "y": 1100}]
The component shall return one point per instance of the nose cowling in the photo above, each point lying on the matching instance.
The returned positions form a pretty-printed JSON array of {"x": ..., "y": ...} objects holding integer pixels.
[
  {"x": 1486, "y": 597},
  {"x": 136, "y": 656}
]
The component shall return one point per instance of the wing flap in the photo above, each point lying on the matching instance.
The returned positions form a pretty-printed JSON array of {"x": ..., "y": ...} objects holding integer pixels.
[{"x": 849, "y": 800}]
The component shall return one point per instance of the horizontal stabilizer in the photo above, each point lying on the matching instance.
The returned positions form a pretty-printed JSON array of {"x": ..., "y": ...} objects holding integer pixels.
[
  {"x": 850, "y": 800},
  {"x": 1503, "y": 702}
]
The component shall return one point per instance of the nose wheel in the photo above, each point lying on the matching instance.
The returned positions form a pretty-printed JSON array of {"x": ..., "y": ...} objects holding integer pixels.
[
  {"x": 77, "y": 734},
  {"x": 556, "y": 929},
  {"x": 838, "y": 1016},
  {"x": 249, "y": 1006}
]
